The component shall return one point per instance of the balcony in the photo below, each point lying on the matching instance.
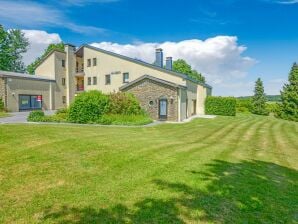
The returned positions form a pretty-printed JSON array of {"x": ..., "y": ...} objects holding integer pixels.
[{"x": 80, "y": 72}]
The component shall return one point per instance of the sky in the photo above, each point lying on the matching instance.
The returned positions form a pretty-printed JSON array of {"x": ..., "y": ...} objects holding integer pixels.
[{"x": 231, "y": 42}]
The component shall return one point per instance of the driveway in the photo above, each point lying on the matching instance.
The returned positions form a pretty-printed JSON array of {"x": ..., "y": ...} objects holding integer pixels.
[{"x": 19, "y": 117}]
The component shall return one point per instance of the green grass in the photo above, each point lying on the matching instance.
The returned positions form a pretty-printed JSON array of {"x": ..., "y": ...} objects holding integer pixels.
[
  {"x": 226, "y": 170},
  {"x": 4, "y": 114}
]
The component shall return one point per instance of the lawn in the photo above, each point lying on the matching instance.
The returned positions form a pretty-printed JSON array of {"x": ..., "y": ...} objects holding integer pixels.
[
  {"x": 240, "y": 169},
  {"x": 3, "y": 114}
]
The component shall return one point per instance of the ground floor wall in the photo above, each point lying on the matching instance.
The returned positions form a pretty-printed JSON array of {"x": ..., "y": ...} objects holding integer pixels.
[
  {"x": 150, "y": 93},
  {"x": 3, "y": 90},
  {"x": 17, "y": 87}
]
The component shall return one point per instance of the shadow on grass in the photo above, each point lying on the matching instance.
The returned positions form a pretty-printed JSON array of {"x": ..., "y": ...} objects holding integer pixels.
[{"x": 246, "y": 192}]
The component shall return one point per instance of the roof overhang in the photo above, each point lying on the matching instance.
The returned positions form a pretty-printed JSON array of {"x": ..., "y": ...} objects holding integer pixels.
[{"x": 6, "y": 74}]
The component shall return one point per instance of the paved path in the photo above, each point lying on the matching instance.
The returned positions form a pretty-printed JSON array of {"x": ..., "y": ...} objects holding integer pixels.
[{"x": 19, "y": 117}]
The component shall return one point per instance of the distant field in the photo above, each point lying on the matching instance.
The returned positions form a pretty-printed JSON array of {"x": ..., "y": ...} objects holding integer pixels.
[{"x": 240, "y": 169}]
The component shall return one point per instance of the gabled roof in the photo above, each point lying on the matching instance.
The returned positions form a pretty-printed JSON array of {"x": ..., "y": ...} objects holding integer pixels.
[
  {"x": 153, "y": 79},
  {"x": 145, "y": 64},
  {"x": 48, "y": 55},
  {"x": 25, "y": 76}
]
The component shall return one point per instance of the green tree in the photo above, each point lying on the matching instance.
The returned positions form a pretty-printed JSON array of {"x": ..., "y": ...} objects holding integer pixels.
[
  {"x": 181, "y": 66},
  {"x": 31, "y": 68},
  {"x": 289, "y": 96},
  {"x": 13, "y": 45},
  {"x": 258, "y": 104}
]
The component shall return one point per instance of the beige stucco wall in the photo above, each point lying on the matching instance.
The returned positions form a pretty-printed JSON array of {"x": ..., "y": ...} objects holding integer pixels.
[
  {"x": 18, "y": 86},
  {"x": 52, "y": 67},
  {"x": 107, "y": 64},
  {"x": 3, "y": 90}
]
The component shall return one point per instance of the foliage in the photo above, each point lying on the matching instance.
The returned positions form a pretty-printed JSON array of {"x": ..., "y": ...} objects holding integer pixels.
[
  {"x": 181, "y": 66},
  {"x": 289, "y": 96},
  {"x": 1, "y": 105},
  {"x": 273, "y": 108},
  {"x": 243, "y": 105},
  {"x": 31, "y": 68},
  {"x": 13, "y": 45},
  {"x": 258, "y": 105},
  {"x": 36, "y": 116},
  {"x": 125, "y": 119},
  {"x": 88, "y": 107},
  {"x": 270, "y": 98},
  {"x": 218, "y": 105},
  {"x": 124, "y": 103}
]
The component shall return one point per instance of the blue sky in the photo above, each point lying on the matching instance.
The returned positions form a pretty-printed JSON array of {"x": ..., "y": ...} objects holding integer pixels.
[{"x": 264, "y": 43}]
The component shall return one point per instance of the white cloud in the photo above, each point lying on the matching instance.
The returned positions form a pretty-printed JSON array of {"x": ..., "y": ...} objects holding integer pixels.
[
  {"x": 39, "y": 40},
  {"x": 289, "y": 2},
  {"x": 85, "y": 2},
  {"x": 220, "y": 59},
  {"x": 32, "y": 14}
]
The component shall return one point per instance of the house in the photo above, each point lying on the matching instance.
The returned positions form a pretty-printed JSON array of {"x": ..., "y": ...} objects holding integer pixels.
[{"x": 61, "y": 75}]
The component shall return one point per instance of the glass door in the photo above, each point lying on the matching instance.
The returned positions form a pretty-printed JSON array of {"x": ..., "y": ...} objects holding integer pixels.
[{"x": 163, "y": 109}]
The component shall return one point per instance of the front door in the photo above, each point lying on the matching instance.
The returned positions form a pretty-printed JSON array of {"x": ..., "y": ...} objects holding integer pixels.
[{"x": 163, "y": 109}]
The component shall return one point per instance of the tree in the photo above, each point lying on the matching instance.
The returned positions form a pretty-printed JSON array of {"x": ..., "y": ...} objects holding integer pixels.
[
  {"x": 289, "y": 96},
  {"x": 258, "y": 105},
  {"x": 13, "y": 45},
  {"x": 31, "y": 68},
  {"x": 181, "y": 66}
]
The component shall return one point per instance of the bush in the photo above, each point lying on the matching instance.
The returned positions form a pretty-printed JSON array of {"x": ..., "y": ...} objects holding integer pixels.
[
  {"x": 220, "y": 105},
  {"x": 273, "y": 107},
  {"x": 124, "y": 103},
  {"x": 36, "y": 116},
  {"x": 1, "y": 105},
  {"x": 243, "y": 105},
  {"x": 124, "y": 119},
  {"x": 88, "y": 107}
]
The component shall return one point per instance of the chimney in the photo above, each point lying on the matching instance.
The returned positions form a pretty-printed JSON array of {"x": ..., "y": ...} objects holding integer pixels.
[
  {"x": 169, "y": 63},
  {"x": 159, "y": 57}
]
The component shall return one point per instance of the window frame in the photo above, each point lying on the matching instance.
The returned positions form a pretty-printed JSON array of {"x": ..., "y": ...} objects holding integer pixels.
[
  {"x": 94, "y": 80},
  {"x": 89, "y": 62},
  {"x": 123, "y": 77},
  {"x": 89, "y": 81},
  {"x": 108, "y": 79},
  {"x": 63, "y": 81},
  {"x": 63, "y": 63},
  {"x": 94, "y": 60}
]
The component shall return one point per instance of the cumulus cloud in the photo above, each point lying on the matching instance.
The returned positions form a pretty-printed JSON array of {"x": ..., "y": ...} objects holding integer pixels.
[
  {"x": 220, "y": 59},
  {"x": 38, "y": 40}
]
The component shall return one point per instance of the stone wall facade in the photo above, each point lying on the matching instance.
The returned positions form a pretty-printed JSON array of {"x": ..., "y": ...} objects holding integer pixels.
[
  {"x": 149, "y": 92},
  {"x": 3, "y": 90}
]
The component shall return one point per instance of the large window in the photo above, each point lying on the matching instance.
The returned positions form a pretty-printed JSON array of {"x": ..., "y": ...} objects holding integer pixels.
[
  {"x": 88, "y": 62},
  {"x": 94, "y": 80},
  {"x": 125, "y": 77},
  {"x": 30, "y": 102},
  {"x": 108, "y": 79},
  {"x": 89, "y": 81},
  {"x": 94, "y": 61}
]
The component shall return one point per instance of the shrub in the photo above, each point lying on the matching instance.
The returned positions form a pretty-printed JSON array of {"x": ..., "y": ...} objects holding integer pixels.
[
  {"x": 1, "y": 105},
  {"x": 220, "y": 105},
  {"x": 273, "y": 107},
  {"x": 125, "y": 119},
  {"x": 36, "y": 116},
  {"x": 124, "y": 103},
  {"x": 88, "y": 107},
  {"x": 243, "y": 105}
]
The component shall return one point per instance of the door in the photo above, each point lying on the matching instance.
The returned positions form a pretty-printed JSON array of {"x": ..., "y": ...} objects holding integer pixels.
[
  {"x": 163, "y": 109},
  {"x": 194, "y": 107}
]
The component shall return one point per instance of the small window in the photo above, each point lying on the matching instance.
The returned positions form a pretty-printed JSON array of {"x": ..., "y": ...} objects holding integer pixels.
[
  {"x": 108, "y": 79},
  {"x": 125, "y": 77},
  {"x": 151, "y": 103},
  {"x": 63, "y": 81},
  {"x": 89, "y": 81},
  {"x": 63, "y": 99},
  {"x": 88, "y": 62},
  {"x": 94, "y": 80},
  {"x": 94, "y": 61},
  {"x": 63, "y": 63}
]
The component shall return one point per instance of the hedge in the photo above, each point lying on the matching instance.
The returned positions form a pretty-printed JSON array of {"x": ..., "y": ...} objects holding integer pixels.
[
  {"x": 218, "y": 105},
  {"x": 1, "y": 105}
]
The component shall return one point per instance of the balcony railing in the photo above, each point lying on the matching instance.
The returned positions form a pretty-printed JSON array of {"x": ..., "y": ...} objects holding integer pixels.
[
  {"x": 80, "y": 88},
  {"x": 79, "y": 70}
]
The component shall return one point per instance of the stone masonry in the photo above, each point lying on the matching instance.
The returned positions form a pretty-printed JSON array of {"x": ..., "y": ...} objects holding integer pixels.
[
  {"x": 3, "y": 90},
  {"x": 148, "y": 92}
]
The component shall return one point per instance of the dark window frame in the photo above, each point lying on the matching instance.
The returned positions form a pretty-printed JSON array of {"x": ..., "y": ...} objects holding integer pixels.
[
  {"x": 94, "y": 79},
  {"x": 63, "y": 63},
  {"x": 123, "y": 77},
  {"x": 63, "y": 81},
  {"x": 108, "y": 79},
  {"x": 89, "y": 62},
  {"x": 30, "y": 102},
  {"x": 89, "y": 81},
  {"x": 94, "y": 61}
]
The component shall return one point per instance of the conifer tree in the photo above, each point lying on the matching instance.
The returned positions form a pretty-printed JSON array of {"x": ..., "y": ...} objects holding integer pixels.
[
  {"x": 289, "y": 96},
  {"x": 258, "y": 105}
]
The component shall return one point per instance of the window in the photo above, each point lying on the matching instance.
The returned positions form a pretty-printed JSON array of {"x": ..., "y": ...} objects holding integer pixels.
[
  {"x": 63, "y": 63},
  {"x": 30, "y": 102},
  {"x": 94, "y": 61},
  {"x": 89, "y": 81},
  {"x": 125, "y": 77},
  {"x": 108, "y": 79},
  {"x": 63, "y": 81},
  {"x": 94, "y": 80},
  {"x": 88, "y": 62},
  {"x": 77, "y": 66},
  {"x": 63, "y": 99}
]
